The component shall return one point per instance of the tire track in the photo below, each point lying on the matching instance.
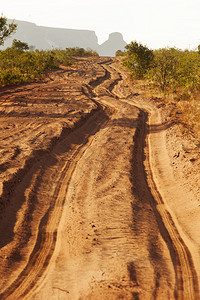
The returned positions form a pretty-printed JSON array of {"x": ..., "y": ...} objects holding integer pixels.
[
  {"x": 185, "y": 274},
  {"x": 47, "y": 233},
  {"x": 46, "y": 240},
  {"x": 187, "y": 286}
]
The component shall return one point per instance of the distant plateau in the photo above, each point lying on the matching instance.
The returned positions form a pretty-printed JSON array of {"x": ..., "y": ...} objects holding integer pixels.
[{"x": 47, "y": 38}]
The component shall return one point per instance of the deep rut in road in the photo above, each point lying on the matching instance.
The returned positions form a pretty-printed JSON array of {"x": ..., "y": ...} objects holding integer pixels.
[
  {"x": 108, "y": 232},
  {"x": 186, "y": 286},
  {"x": 73, "y": 145}
]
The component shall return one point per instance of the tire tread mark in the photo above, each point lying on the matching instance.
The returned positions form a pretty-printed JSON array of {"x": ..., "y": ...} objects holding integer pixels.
[
  {"x": 47, "y": 235},
  {"x": 186, "y": 276}
]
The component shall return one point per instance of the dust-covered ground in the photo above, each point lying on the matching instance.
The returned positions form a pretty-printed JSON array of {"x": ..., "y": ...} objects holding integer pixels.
[{"x": 99, "y": 194}]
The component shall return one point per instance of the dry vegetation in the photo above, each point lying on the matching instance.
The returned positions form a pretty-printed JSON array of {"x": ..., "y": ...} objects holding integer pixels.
[
  {"x": 182, "y": 110},
  {"x": 171, "y": 77},
  {"x": 20, "y": 66}
]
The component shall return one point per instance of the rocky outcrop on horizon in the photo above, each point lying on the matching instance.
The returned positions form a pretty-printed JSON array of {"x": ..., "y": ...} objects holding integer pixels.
[
  {"x": 115, "y": 42},
  {"x": 48, "y": 38}
]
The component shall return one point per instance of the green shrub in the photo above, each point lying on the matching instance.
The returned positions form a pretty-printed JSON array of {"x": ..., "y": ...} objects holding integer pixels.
[
  {"x": 18, "y": 66},
  {"x": 173, "y": 68},
  {"x": 138, "y": 59},
  {"x": 119, "y": 53},
  {"x": 170, "y": 70}
]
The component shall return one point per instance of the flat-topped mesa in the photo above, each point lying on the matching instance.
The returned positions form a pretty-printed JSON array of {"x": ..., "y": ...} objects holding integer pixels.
[{"x": 48, "y": 38}]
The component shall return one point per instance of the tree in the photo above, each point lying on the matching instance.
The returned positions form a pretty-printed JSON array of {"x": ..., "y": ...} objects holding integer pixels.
[
  {"x": 173, "y": 69},
  {"x": 138, "y": 58},
  {"x": 165, "y": 67},
  {"x": 17, "y": 44},
  {"x": 119, "y": 53},
  {"x": 198, "y": 49},
  {"x": 6, "y": 29}
]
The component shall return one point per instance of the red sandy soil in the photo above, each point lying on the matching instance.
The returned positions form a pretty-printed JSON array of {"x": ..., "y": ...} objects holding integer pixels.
[{"x": 99, "y": 194}]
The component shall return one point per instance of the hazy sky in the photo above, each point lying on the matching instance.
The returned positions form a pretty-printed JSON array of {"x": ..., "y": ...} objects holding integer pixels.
[{"x": 155, "y": 23}]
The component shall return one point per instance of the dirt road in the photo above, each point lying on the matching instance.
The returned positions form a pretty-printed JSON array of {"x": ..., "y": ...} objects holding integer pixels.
[{"x": 90, "y": 205}]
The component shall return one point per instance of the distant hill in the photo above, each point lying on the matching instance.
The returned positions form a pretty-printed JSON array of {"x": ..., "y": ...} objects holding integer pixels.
[
  {"x": 114, "y": 43},
  {"x": 47, "y": 38}
]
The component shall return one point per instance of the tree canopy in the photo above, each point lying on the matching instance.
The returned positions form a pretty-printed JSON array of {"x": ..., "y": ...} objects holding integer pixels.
[
  {"x": 138, "y": 58},
  {"x": 17, "y": 44},
  {"x": 6, "y": 29}
]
